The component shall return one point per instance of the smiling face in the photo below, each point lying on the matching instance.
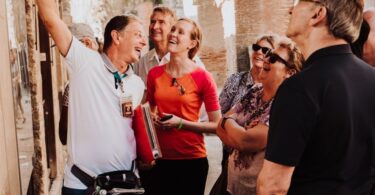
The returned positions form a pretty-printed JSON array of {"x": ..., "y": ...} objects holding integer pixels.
[
  {"x": 257, "y": 59},
  {"x": 179, "y": 39},
  {"x": 160, "y": 26},
  {"x": 131, "y": 41},
  {"x": 274, "y": 74}
]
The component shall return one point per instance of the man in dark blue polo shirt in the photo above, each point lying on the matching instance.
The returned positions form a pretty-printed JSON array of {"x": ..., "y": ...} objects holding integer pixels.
[{"x": 322, "y": 126}]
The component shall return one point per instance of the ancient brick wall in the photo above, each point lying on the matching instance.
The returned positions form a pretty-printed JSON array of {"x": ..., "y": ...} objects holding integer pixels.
[
  {"x": 213, "y": 50},
  {"x": 254, "y": 17}
]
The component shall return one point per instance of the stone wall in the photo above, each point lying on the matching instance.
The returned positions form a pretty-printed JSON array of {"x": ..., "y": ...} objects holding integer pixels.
[
  {"x": 213, "y": 50},
  {"x": 369, "y": 3},
  {"x": 254, "y": 18}
]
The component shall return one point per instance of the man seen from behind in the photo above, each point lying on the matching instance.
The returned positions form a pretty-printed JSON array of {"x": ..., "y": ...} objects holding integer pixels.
[{"x": 322, "y": 128}]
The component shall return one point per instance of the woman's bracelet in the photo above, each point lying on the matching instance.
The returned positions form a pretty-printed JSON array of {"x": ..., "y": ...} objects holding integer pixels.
[
  {"x": 225, "y": 118},
  {"x": 180, "y": 125}
]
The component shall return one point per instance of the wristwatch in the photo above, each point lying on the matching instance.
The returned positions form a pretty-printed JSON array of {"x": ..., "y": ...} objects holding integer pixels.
[{"x": 225, "y": 118}]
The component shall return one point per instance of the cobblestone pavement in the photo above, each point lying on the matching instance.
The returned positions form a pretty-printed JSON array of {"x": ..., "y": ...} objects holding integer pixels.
[{"x": 214, "y": 152}]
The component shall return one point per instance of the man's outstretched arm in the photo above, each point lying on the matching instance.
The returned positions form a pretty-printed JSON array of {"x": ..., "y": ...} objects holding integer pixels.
[
  {"x": 55, "y": 26},
  {"x": 274, "y": 179}
]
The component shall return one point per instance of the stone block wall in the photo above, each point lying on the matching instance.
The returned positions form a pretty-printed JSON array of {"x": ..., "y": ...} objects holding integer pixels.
[
  {"x": 254, "y": 17},
  {"x": 213, "y": 50}
]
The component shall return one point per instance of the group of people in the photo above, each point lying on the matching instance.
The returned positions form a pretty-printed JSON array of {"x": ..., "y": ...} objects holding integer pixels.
[{"x": 299, "y": 122}]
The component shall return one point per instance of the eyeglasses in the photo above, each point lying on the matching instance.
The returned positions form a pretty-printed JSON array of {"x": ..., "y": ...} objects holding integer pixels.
[
  {"x": 137, "y": 34},
  {"x": 181, "y": 89},
  {"x": 295, "y": 2},
  {"x": 257, "y": 47},
  {"x": 273, "y": 58}
]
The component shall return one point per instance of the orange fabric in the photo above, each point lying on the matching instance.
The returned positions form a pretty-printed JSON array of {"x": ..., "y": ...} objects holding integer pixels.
[{"x": 181, "y": 143}]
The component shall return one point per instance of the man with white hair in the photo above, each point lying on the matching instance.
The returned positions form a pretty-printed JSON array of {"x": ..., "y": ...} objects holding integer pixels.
[{"x": 321, "y": 138}]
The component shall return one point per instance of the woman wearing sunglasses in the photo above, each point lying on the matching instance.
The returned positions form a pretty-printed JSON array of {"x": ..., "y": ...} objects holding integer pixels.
[
  {"x": 246, "y": 129},
  {"x": 176, "y": 92},
  {"x": 235, "y": 88}
]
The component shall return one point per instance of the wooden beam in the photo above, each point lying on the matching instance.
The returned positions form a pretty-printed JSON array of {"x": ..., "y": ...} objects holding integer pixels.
[
  {"x": 9, "y": 165},
  {"x": 40, "y": 172}
]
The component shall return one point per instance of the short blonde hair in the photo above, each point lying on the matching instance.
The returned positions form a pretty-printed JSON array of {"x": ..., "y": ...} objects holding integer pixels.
[
  {"x": 270, "y": 38},
  {"x": 344, "y": 18},
  {"x": 295, "y": 56},
  {"x": 166, "y": 11}
]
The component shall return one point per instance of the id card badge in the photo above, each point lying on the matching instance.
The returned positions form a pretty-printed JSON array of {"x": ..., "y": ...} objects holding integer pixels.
[{"x": 126, "y": 102}]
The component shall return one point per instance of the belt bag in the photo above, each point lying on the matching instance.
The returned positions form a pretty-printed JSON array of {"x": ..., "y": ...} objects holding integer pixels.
[
  {"x": 118, "y": 179},
  {"x": 126, "y": 179}
]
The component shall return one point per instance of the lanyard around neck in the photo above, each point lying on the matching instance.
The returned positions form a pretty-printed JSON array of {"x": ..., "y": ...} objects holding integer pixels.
[{"x": 118, "y": 80}]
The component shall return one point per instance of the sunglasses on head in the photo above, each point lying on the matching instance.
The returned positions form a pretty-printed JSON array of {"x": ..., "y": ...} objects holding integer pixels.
[
  {"x": 257, "y": 47},
  {"x": 273, "y": 58}
]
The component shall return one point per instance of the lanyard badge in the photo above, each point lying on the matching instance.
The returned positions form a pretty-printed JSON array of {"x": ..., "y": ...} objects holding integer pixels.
[{"x": 126, "y": 102}]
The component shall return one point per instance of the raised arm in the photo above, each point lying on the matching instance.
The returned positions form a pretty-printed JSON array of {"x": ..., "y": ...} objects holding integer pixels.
[
  {"x": 55, "y": 26},
  {"x": 274, "y": 179}
]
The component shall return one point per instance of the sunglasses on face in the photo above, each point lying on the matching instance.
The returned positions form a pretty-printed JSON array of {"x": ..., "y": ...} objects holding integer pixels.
[
  {"x": 273, "y": 58},
  {"x": 257, "y": 47}
]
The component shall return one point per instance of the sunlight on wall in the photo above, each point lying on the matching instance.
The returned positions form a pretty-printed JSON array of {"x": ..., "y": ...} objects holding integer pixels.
[
  {"x": 11, "y": 30},
  {"x": 227, "y": 10}
]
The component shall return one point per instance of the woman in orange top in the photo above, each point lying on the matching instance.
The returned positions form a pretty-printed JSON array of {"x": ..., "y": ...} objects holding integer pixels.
[{"x": 177, "y": 90}]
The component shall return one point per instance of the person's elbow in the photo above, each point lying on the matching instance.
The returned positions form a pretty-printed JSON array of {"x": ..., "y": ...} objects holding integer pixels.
[
  {"x": 263, "y": 189},
  {"x": 245, "y": 144}
]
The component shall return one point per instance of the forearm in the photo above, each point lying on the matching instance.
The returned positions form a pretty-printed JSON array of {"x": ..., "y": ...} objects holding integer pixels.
[
  {"x": 274, "y": 179},
  {"x": 55, "y": 26},
  {"x": 48, "y": 12},
  {"x": 251, "y": 140},
  {"x": 200, "y": 127}
]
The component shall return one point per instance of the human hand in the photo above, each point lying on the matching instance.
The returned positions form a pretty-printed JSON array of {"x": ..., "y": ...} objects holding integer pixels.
[
  {"x": 168, "y": 121},
  {"x": 145, "y": 166}
]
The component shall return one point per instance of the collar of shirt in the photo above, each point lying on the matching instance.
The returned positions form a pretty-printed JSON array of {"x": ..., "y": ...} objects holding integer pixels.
[
  {"x": 330, "y": 50},
  {"x": 112, "y": 68},
  {"x": 154, "y": 56}
]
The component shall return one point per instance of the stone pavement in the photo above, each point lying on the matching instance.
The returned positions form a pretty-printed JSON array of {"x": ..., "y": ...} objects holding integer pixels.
[
  {"x": 214, "y": 152},
  {"x": 25, "y": 142}
]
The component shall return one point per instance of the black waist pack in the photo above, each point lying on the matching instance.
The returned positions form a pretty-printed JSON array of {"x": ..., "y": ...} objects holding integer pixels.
[
  {"x": 125, "y": 179},
  {"x": 118, "y": 179}
]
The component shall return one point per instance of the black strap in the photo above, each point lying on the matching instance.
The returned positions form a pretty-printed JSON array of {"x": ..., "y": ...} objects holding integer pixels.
[
  {"x": 82, "y": 176},
  {"x": 87, "y": 179}
]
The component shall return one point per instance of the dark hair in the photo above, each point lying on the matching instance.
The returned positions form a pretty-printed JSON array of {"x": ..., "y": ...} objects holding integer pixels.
[
  {"x": 117, "y": 23},
  {"x": 357, "y": 46}
]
